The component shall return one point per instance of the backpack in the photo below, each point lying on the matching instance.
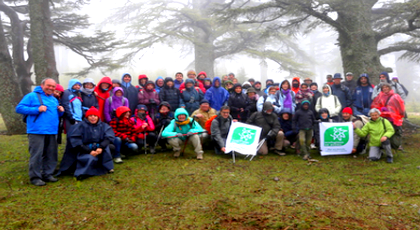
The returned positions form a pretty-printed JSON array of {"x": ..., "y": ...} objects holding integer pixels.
[
  {"x": 276, "y": 103},
  {"x": 114, "y": 113},
  {"x": 405, "y": 89},
  {"x": 364, "y": 119},
  {"x": 207, "y": 125},
  {"x": 25, "y": 116}
]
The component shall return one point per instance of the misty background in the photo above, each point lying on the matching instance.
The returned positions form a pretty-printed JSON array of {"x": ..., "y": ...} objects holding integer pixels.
[{"x": 166, "y": 59}]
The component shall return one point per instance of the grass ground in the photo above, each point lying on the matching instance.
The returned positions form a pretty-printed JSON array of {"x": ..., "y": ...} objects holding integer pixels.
[{"x": 270, "y": 192}]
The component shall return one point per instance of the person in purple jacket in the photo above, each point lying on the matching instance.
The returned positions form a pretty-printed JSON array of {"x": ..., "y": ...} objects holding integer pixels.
[{"x": 112, "y": 103}]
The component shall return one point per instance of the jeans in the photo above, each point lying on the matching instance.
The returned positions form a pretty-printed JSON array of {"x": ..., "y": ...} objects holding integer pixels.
[{"x": 118, "y": 143}]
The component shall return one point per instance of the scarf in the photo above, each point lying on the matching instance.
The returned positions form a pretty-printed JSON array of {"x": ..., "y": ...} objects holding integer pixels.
[
  {"x": 186, "y": 122},
  {"x": 126, "y": 84},
  {"x": 287, "y": 103},
  {"x": 87, "y": 91}
]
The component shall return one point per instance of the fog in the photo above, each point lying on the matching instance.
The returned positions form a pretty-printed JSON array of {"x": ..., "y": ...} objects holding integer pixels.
[{"x": 164, "y": 60}]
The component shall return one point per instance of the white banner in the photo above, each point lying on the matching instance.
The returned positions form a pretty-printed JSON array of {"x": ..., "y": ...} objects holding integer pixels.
[
  {"x": 243, "y": 138},
  {"x": 336, "y": 138}
]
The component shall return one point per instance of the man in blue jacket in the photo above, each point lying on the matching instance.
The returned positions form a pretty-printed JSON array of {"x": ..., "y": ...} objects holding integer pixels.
[{"x": 42, "y": 127}]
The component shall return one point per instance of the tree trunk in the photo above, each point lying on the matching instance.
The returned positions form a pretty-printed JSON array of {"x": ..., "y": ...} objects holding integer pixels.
[
  {"x": 203, "y": 40},
  {"x": 42, "y": 41},
  {"x": 11, "y": 93},
  {"x": 357, "y": 41}
]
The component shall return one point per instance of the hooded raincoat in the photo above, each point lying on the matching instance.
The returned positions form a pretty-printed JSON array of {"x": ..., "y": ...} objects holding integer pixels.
[
  {"x": 217, "y": 96},
  {"x": 113, "y": 103},
  {"x": 130, "y": 92},
  {"x": 103, "y": 94},
  {"x": 175, "y": 126}
]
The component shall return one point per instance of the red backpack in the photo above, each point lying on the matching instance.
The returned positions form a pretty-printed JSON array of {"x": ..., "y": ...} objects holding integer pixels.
[{"x": 207, "y": 125}]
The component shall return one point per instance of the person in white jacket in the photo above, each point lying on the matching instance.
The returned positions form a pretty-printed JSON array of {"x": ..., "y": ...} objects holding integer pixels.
[
  {"x": 330, "y": 102},
  {"x": 271, "y": 97}
]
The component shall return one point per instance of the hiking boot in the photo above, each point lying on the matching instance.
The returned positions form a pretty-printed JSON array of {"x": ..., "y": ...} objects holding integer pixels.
[
  {"x": 373, "y": 158},
  {"x": 50, "y": 179},
  {"x": 118, "y": 160},
  {"x": 306, "y": 157},
  {"x": 177, "y": 154},
  {"x": 200, "y": 155},
  {"x": 389, "y": 160},
  {"x": 279, "y": 152},
  {"x": 38, "y": 182},
  {"x": 293, "y": 146},
  {"x": 111, "y": 171},
  {"x": 313, "y": 146}
]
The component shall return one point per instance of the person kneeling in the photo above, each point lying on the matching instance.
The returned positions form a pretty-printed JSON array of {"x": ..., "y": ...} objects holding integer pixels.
[
  {"x": 181, "y": 130},
  {"x": 90, "y": 140},
  {"x": 267, "y": 120},
  {"x": 380, "y": 131},
  {"x": 124, "y": 132},
  {"x": 220, "y": 128}
]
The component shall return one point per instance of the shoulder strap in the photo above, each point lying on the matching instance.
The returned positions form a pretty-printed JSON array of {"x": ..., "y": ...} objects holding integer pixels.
[
  {"x": 39, "y": 98},
  {"x": 110, "y": 100},
  {"x": 387, "y": 100},
  {"x": 265, "y": 98},
  {"x": 383, "y": 123}
]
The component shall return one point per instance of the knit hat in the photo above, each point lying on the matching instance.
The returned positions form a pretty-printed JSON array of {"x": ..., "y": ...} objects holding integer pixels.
[
  {"x": 92, "y": 111},
  {"x": 191, "y": 72},
  {"x": 395, "y": 78},
  {"x": 337, "y": 76},
  {"x": 142, "y": 107},
  {"x": 59, "y": 88},
  {"x": 251, "y": 80},
  {"x": 306, "y": 101},
  {"x": 204, "y": 101},
  {"x": 348, "y": 110},
  {"x": 364, "y": 75},
  {"x": 313, "y": 83},
  {"x": 349, "y": 73},
  {"x": 304, "y": 84},
  {"x": 114, "y": 81}
]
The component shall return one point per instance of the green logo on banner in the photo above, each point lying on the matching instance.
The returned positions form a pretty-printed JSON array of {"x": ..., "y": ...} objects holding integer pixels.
[
  {"x": 336, "y": 136},
  {"x": 243, "y": 136}
]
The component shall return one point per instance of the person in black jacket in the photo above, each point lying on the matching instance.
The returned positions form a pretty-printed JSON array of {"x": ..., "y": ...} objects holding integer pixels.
[
  {"x": 130, "y": 92},
  {"x": 304, "y": 120},
  {"x": 162, "y": 119},
  {"x": 239, "y": 104},
  {"x": 88, "y": 97},
  {"x": 290, "y": 135},
  {"x": 170, "y": 94},
  {"x": 270, "y": 125},
  {"x": 314, "y": 88},
  {"x": 220, "y": 128}
]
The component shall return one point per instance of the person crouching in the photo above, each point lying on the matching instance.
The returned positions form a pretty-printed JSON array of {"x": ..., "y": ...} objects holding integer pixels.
[
  {"x": 125, "y": 132},
  {"x": 90, "y": 140},
  {"x": 144, "y": 127},
  {"x": 181, "y": 130}
]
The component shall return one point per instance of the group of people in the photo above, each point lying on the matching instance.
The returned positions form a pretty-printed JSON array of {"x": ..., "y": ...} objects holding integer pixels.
[{"x": 104, "y": 120}]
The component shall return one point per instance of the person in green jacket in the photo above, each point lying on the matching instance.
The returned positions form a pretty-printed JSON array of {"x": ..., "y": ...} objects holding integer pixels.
[
  {"x": 183, "y": 128},
  {"x": 380, "y": 131}
]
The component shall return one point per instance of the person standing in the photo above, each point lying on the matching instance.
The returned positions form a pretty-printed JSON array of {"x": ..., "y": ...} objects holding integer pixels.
[
  {"x": 43, "y": 112},
  {"x": 349, "y": 82},
  {"x": 362, "y": 96},
  {"x": 102, "y": 94},
  {"x": 342, "y": 92},
  {"x": 217, "y": 95},
  {"x": 130, "y": 92}
]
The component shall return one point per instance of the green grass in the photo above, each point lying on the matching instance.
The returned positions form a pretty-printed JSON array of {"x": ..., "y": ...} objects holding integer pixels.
[{"x": 160, "y": 192}]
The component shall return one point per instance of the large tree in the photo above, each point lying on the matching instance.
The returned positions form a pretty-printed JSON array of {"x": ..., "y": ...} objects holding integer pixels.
[
  {"x": 196, "y": 23},
  {"x": 361, "y": 25},
  {"x": 33, "y": 39}
]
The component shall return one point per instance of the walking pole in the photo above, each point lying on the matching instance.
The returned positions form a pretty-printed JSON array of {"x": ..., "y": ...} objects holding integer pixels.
[
  {"x": 145, "y": 152},
  {"x": 159, "y": 136},
  {"x": 185, "y": 145}
]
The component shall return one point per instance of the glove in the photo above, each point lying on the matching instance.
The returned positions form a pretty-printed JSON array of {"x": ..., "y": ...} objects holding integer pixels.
[
  {"x": 271, "y": 134},
  {"x": 128, "y": 140},
  {"x": 152, "y": 101},
  {"x": 72, "y": 121},
  {"x": 190, "y": 134},
  {"x": 179, "y": 134}
]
